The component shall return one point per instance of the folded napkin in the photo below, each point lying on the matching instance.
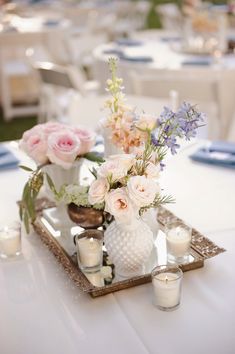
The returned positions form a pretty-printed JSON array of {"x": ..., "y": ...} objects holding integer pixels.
[
  {"x": 197, "y": 61},
  {"x": 137, "y": 59},
  {"x": 3, "y": 150},
  {"x": 171, "y": 39},
  {"x": 218, "y": 153},
  {"x": 7, "y": 159},
  {"x": 128, "y": 42},
  {"x": 114, "y": 51}
]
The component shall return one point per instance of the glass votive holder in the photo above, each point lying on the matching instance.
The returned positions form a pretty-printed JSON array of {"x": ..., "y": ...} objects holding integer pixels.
[
  {"x": 167, "y": 282},
  {"x": 89, "y": 246},
  {"x": 178, "y": 241},
  {"x": 10, "y": 240}
]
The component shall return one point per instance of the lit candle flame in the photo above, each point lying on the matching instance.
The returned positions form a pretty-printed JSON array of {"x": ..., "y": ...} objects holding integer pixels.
[{"x": 91, "y": 239}]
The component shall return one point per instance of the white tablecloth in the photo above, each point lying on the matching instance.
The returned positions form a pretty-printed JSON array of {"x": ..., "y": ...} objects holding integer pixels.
[{"x": 42, "y": 311}]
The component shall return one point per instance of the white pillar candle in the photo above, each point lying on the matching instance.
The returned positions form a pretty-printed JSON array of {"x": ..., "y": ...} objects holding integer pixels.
[
  {"x": 10, "y": 244},
  {"x": 89, "y": 252},
  {"x": 178, "y": 241}
]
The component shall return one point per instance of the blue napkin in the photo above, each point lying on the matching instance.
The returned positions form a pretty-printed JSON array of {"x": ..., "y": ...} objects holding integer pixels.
[
  {"x": 7, "y": 159},
  {"x": 219, "y": 153},
  {"x": 3, "y": 150},
  {"x": 113, "y": 51},
  {"x": 171, "y": 39},
  {"x": 128, "y": 42},
  {"x": 197, "y": 61},
  {"x": 137, "y": 59}
]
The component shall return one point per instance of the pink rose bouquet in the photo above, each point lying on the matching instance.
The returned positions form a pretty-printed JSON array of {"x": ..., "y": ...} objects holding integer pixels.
[
  {"x": 57, "y": 143},
  {"x": 51, "y": 143}
]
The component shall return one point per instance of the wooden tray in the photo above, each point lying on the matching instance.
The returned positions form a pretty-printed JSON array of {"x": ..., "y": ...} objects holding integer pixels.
[{"x": 201, "y": 249}]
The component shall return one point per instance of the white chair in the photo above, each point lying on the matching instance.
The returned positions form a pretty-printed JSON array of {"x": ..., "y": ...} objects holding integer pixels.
[
  {"x": 19, "y": 90},
  {"x": 189, "y": 87},
  {"x": 58, "y": 85},
  {"x": 170, "y": 15}
]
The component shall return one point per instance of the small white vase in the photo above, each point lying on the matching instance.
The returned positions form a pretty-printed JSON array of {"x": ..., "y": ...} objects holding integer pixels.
[
  {"x": 109, "y": 147},
  {"x": 58, "y": 216},
  {"x": 150, "y": 218},
  {"x": 129, "y": 246}
]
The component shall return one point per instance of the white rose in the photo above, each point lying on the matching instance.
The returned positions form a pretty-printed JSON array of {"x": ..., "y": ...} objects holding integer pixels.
[
  {"x": 119, "y": 205},
  {"x": 142, "y": 191},
  {"x": 152, "y": 171},
  {"x": 113, "y": 169},
  {"x": 97, "y": 191},
  {"x": 126, "y": 160},
  {"x": 146, "y": 122}
]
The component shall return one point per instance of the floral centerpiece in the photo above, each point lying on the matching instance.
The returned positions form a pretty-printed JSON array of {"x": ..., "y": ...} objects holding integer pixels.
[
  {"x": 126, "y": 185},
  {"x": 51, "y": 144}
]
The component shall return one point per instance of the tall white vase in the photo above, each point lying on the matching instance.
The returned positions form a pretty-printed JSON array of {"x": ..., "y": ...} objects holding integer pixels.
[
  {"x": 58, "y": 216},
  {"x": 129, "y": 246},
  {"x": 109, "y": 147},
  {"x": 150, "y": 218}
]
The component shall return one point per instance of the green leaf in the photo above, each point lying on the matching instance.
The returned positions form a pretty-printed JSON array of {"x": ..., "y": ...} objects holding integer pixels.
[
  {"x": 92, "y": 156},
  {"x": 26, "y": 191},
  {"x": 51, "y": 184},
  {"x": 21, "y": 212},
  {"x": 26, "y": 222},
  {"x": 26, "y": 168}
]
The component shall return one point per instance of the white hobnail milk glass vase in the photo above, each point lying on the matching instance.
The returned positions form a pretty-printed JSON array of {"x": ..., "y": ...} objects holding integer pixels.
[{"x": 129, "y": 246}]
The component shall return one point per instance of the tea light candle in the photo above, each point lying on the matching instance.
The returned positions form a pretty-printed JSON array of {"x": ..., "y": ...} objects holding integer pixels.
[
  {"x": 167, "y": 287},
  {"x": 178, "y": 240},
  {"x": 90, "y": 252},
  {"x": 10, "y": 243}
]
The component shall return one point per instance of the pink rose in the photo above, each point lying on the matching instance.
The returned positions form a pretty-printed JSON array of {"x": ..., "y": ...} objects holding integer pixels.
[
  {"x": 52, "y": 127},
  {"x": 119, "y": 205},
  {"x": 63, "y": 148},
  {"x": 142, "y": 191},
  {"x": 36, "y": 148},
  {"x": 86, "y": 137},
  {"x": 97, "y": 191},
  {"x": 36, "y": 130}
]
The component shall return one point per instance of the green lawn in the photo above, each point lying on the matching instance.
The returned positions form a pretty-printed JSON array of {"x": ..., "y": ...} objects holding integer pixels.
[{"x": 14, "y": 129}]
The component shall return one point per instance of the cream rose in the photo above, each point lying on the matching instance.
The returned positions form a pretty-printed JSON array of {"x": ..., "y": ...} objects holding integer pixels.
[
  {"x": 152, "y": 170},
  {"x": 146, "y": 122},
  {"x": 113, "y": 170},
  {"x": 98, "y": 191},
  {"x": 63, "y": 148},
  {"x": 142, "y": 191},
  {"x": 118, "y": 204},
  {"x": 126, "y": 160}
]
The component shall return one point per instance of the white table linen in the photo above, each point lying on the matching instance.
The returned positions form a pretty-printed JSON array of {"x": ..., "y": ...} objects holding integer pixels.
[{"x": 42, "y": 311}]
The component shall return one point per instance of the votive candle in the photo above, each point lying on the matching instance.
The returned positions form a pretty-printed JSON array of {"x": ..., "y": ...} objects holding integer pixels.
[
  {"x": 10, "y": 242},
  {"x": 166, "y": 282},
  {"x": 178, "y": 240}
]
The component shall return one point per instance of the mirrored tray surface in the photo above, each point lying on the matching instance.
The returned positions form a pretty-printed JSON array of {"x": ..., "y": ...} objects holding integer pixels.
[{"x": 97, "y": 284}]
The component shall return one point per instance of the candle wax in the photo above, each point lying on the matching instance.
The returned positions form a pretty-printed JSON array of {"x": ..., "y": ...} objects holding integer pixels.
[
  {"x": 166, "y": 289},
  {"x": 178, "y": 241},
  {"x": 90, "y": 251},
  {"x": 9, "y": 242}
]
